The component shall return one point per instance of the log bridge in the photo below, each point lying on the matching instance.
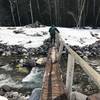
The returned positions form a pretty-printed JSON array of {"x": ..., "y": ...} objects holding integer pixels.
[{"x": 53, "y": 87}]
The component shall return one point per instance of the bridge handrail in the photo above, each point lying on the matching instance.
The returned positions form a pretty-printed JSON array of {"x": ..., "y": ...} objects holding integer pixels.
[
  {"x": 72, "y": 57},
  {"x": 95, "y": 76}
]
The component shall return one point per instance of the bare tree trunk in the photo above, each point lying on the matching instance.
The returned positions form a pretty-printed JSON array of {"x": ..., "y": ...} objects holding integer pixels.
[
  {"x": 50, "y": 11},
  {"x": 85, "y": 12},
  {"x": 74, "y": 17},
  {"x": 12, "y": 13},
  {"x": 98, "y": 14},
  {"x": 18, "y": 13},
  {"x": 38, "y": 7},
  {"x": 62, "y": 13},
  {"x": 56, "y": 18},
  {"x": 58, "y": 11},
  {"x": 80, "y": 15},
  {"x": 93, "y": 7},
  {"x": 31, "y": 12},
  {"x": 78, "y": 7}
]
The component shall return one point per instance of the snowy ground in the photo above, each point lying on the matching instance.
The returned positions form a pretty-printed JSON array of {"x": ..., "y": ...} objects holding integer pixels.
[{"x": 34, "y": 37}]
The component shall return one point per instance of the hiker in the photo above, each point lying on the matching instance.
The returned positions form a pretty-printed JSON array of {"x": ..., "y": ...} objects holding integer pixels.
[{"x": 53, "y": 31}]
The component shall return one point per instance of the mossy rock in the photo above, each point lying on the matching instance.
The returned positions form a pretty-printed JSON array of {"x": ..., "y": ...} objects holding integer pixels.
[{"x": 21, "y": 69}]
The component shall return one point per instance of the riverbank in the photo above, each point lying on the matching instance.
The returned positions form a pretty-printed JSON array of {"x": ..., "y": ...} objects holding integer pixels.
[{"x": 15, "y": 58}]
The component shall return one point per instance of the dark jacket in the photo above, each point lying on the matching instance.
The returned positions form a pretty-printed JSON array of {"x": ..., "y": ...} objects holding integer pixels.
[{"x": 53, "y": 31}]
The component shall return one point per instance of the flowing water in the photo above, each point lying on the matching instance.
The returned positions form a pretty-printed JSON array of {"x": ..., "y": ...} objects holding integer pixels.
[
  {"x": 10, "y": 75},
  {"x": 13, "y": 78}
]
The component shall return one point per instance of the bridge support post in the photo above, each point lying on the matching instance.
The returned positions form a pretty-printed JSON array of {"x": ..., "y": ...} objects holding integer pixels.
[
  {"x": 69, "y": 75},
  {"x": 60, "y": 49}
]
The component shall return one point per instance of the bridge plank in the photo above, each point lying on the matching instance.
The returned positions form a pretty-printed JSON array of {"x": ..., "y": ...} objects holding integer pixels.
[{"x": 53, "y": 87}]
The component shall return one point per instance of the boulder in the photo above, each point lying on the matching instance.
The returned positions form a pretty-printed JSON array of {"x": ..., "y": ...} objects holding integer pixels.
[
  {"x": 41, "y": 61},
  {"x": 6, "y": 88},
  {"x": 34, "y": 75},
  {"x": 35, "y": 94},
  {"x": 34, "y": 78}
]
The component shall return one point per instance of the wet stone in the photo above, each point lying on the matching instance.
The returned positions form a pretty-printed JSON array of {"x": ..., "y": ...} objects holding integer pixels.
[{"x": 6, "y": 88}]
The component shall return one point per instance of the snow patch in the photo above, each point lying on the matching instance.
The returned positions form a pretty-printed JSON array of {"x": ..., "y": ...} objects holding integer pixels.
[
  {"x": 3, "y": 98},
  {"x": 79, "y": 37},
  {"x": 34, "y": 37},
  {"x": 9, "y": 37}
]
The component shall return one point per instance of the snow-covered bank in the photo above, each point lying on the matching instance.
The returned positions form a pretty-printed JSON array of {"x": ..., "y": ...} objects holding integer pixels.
[
  {"x": 79, "y": 37},
  {"x": 34, "y": 37},
  {"x": 27, "y": 37}
]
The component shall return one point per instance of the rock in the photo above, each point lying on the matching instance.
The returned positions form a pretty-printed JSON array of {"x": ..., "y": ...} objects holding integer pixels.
[
  {"x": 22, "y": 98},
  {"x": 7, "y": 67},
  {"x": 21, "y": 61},
  {"x": 41, "y": 61},
  {"x": 15, "y": 94},
  {"x": 6, "y": 88},
  {"x": 8, "y": 95},
  {"x": 10, "y": 82},
  {"x": 79, "y": 52},
  {"x": 44, "y": 33},
  {"x": 36, "y": 93},
  {"x": 18, "y": 31},
  {"x": 27, "y": 97},
  {"x": 6, "y": 53},
  {"x": 2, "y": 92},
  {"x": 98, "y": 68},
  {"x": 37, "y": 34},
  {"x": 21, "y": 69},
  {"x": 2, "y": 77},
  {"x": 1, "y": 51},
  {"x": 3, "y": 98},
  {"x": 34, "y": 76},
  {"x": 29, "y": 42},
  {"x": 29, "y": 62}
]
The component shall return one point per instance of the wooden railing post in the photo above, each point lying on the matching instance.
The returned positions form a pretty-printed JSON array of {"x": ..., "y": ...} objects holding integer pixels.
[
  {"x": 69, "y": 76},
  {"x": 60, "y": 49}
]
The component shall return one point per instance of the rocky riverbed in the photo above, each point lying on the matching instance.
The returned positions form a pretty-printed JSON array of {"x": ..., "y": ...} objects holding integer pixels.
[
  {"x": 14, "y": 66},
  {"x": 16, "y": 63},
  {"x": 91, "y": 54}
]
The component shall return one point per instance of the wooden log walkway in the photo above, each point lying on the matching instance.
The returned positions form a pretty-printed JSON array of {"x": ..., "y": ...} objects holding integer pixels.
[{"x": 53, "y": 87}]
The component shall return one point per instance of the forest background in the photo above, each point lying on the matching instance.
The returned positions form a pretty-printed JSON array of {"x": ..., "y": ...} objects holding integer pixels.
[{"x": 65, "y": 13}]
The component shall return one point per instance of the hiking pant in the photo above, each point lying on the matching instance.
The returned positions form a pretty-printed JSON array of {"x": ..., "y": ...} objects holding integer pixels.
[{"x": 52, "y": 36}]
